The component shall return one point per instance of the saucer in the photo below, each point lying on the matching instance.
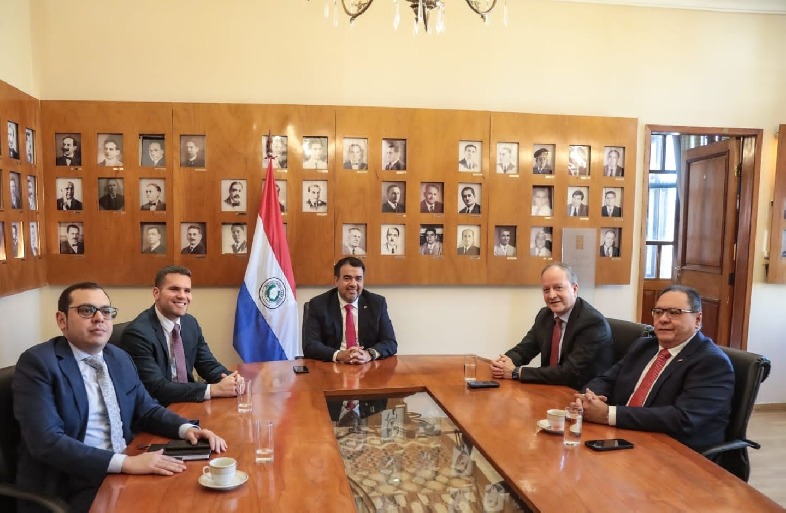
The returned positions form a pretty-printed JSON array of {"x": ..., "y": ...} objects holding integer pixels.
[
  {"x": 545, "y": 426},
  {"x": 239, "y": 478}
]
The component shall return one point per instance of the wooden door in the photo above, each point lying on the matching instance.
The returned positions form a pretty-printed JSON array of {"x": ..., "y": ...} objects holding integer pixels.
[{"x": 708, "y": 229}]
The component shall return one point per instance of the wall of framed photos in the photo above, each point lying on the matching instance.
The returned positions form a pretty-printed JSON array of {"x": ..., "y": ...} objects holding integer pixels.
[{"x": 337, "y": 169}]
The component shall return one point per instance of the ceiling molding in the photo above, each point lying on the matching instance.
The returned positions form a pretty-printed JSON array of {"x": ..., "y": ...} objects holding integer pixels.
[{"x": 738, "y": 6}]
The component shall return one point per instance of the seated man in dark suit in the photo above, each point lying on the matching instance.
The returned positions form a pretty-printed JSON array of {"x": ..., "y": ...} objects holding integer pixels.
[
  {"x": 328, "y": 334},
  {"x": 167, "y": 346},
  {"x": 677, "y": 382},
  {"x": 79, "y": 403},
  {"x": 572, "y": 338}
]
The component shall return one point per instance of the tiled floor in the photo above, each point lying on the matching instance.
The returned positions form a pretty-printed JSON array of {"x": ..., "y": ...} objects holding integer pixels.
[{"x": 768, "y": 464}]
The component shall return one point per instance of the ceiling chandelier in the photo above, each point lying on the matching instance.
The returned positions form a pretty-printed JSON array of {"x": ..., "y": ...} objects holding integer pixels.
[{"x": 431, "y": 13}]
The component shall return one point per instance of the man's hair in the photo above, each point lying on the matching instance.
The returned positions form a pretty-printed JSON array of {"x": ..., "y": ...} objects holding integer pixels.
[
  {"x": 356, "y": 145},
  {"x": 156, "y": 228},
  {"x": 193, "y": 141},
  {"x": 72, "y": 226},
  {"x": 615, "y": 152},
  {"x": 352, "y": 261},
  {"x": 64, "y": 301},
  {"x": 467, "y": 230},
  {"x": 392, "y": 186},
  {"x": 431, "y": 184},
  {"x": 578, "y": 193},
  {"x": 429, "y": 228},
  {"x": 470, "y": 189},
  {"x": 507, "y": 150},
  {"x": 610, "y": 232},
  {"x": 565, "y": 267},
  {"x": 112, "y": 140},
  {"x": 355, "y": 228},
  {"x": 151, "y": 143},
  {"x": 170, "y": 269},
  {"x": 470, "y": 146},
  {"x": 393, "y": 228},
  {"x": 694, "y": 298},
  {"x": 194, "y": 227},
  {"x": 158, "y": 187},
  {"x": 610, "y": 192},
  {"x": 238, "y": 225},
  {"x": 540, "y": 152},
  {"x": 314, "y": 185},
  {"x": 235, "y": 183},
  {"x": 394, "y": 145},
  {"x": 73, "y": 140}
]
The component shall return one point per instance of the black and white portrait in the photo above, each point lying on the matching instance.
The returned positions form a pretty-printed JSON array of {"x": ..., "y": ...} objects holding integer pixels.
[
  {"x": 32, "y": 193},
  {"x": 355, "y": 153},
  {"x": 152, "y": 150},
  {"x": 68, "y": 148},
  {"x": 152, "y": 194},
  {"x": 193, "y": 238},
  {"x": 394, "y": 154},
  {"x": 505, "y": 240},
  {"x": 278, "y": 147},
  {"x": 432, "y": 202},
  {"x": 394, "y": 197},
  {"x": 69, "y": 193},
  {"x": 577, "y": 202},
  {"x": 2, "y": 241},
  {"x": 153, "y": 238},
  {"x": 507, "y": 158},
  {"x": 71, "y": 238},
  {"x": 578, "y": 160},
  {"x": 543, "y": 159},
  {"x": 111, "y": 194},
  {"x": 193, "y": 151},
  {"x": 315, "y": 195},
  {"x": 392, "y": 237},
  {"x": 540, "y": 241},
  {"x": 613, "y": 161},
  {"x": 354, "y": 237},
  {"x": 13, "y": 140},
  {"x": 233, "y": 195},
  {"x": 234, "y": 239},
  {"x": 468, "y": 236},
  {"x": 469, "y": 198},
  {"x": 110, "y": 150},
  {"x": 470, "y": 153},
  {"x": 15, "y": 180},
  {"x": 281, "y": 192},
  {"x": 30, "y": 145},
  {"x": 542, "y": 200},
  {"x": 610, "y": 242},
  {"x": 612, "y": 202},
  {"x": 431, "y": 240},
  {"x": 17, "y": 240},
  {"x": 35, "y": 241},
  {"x": 315, "y": 153}
]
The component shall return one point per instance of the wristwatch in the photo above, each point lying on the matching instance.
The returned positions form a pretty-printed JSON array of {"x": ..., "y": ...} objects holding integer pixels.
[
  {"x": 374, "y": 353},
  {"x": 515, "y": 373}
]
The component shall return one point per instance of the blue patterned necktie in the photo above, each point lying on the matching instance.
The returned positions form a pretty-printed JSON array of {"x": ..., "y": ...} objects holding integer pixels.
[{"x": 110, "y": 402}]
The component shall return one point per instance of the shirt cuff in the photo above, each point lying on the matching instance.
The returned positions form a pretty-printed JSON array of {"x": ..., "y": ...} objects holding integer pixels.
[
  {"x": 612, "y": 416},
  {"x": 116, "y": 463},
  {"x": 336, "y": 354},
  {"x": 181, "y": 432},
  {"x": 207, "y": 393}
]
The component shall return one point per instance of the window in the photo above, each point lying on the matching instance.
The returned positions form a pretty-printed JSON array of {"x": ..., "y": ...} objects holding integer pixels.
[{"x": 662, "y": 211}]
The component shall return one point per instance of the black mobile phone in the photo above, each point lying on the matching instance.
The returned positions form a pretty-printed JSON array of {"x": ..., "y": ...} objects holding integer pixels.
[
  {"x": 611, "y": 444},
  {"x": 482, "y": 384},
  {"x": 300, "y": 369}
]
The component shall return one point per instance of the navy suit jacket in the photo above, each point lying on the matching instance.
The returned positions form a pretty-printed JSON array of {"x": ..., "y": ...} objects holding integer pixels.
[
  {"x": 145, "y": 341},
  {"x": 324, "y": 330},
  {"x": 587, "y": 349},
  {"x": 690, "y": 400},
  {"x": 50, "y": 403}
]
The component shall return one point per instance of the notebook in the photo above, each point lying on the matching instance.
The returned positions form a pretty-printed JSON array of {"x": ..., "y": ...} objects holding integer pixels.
[{"x": 183, "y": 449}]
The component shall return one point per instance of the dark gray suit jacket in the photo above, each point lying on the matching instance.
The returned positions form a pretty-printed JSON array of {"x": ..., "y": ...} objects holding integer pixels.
[
  {"x": 323, "y": 329},
  {"x": 145, "y": 341},
  {"x": 587, "y": 349}
]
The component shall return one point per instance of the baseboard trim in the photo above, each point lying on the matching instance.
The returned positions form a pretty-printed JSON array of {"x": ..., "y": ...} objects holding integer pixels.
[{"x": 770, "y": 407}]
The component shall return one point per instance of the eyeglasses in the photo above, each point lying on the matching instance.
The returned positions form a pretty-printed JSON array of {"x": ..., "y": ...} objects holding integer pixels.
[
  {"x": 89, "y": 311},
  {"x": 670, "y": 312}
]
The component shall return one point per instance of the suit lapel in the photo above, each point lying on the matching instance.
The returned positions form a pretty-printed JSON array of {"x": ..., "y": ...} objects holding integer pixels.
[
  {"x": 334, "y": 312},
  {"x": 675, "y": 366},
  {"x": 160, "y": 337},
  {"x": 70, "y": 369}
]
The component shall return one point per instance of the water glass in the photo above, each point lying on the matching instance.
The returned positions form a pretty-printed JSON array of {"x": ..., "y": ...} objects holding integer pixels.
[
  {"x": 263, "y": 441},
  {"x": 245, "y": 403},
  {"x": 470, "y": 367},
  {"x": 572, "y": 434}
]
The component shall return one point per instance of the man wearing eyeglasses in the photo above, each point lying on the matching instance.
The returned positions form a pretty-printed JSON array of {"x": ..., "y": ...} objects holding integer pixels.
[
  {"x": 677, "y": 382},
  {"x": 79, "y": 403},
  {"x": 167, "y": 346}
]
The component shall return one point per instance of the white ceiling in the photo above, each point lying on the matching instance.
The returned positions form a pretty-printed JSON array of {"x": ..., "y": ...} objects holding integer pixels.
[{"x": 741, "y": 6}]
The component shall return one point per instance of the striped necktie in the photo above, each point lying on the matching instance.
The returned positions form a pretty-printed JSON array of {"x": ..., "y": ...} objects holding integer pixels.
[{"x": 110, "y": 402}]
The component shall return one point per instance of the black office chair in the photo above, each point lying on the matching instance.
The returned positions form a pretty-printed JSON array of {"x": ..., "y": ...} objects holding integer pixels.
[
  {"x": 117, "y": 332},
  {"x": 303, "y": 327},
  {"x": 9, "y": 442},
  {"x": 750, "y": 371},
  {"x": 624, "y": 333}
]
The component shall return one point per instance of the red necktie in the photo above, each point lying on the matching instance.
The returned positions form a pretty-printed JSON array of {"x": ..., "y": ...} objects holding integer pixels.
[
  {"x": 555, "y": 337},
  {"x": 349, "y": 331},
  {"x": 638, "y": 397},
  {"x": 180, "y": 356}
]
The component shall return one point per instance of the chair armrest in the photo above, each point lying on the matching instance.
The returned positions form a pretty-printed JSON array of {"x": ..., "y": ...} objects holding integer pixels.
[
  {"x": 730, "y": 446},
  {"x": 53, "y": 504}
]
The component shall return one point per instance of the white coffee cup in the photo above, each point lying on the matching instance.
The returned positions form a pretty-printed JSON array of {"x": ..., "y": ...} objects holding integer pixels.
[
  {"x": 221, "y": 470},
  {"x": 556, "y": 419}
]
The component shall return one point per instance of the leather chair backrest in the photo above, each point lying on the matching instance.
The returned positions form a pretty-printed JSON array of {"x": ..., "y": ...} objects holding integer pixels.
[
  {"x": 117, "y": 332},
  {"x": 9, "y": 432},
  {"x": 750, "y": 370},
  {"x": 624, "y": 333}
]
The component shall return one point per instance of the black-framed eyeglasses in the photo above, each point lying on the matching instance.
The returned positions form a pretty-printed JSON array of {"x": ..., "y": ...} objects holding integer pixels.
[
  {"x": 671, "y": 312},
  {"x": 89, "y": 311}
]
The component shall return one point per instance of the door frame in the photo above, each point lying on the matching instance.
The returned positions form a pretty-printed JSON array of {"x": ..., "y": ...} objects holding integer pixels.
[{"x": 750, "y": 155}]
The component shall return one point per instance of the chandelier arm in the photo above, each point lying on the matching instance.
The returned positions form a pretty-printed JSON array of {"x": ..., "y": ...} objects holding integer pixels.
[
  {"x": 472, "y": 4},
  {"x": 363, "y": 9}
]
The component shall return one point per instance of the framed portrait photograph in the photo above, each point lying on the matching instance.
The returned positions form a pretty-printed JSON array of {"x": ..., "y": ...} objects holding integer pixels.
[
  {"x": 394, "y": 154},
  {"x": 233, "y": 194},
  {"x": 543, "y": 159},
  {"x": 578, "y": 160},
  {"x": 68, "y": 149},
  {"x": 315, "y": 152},
  {"x": 152, "y": 150},
  {"x": 394, "y": 196},
  {"x": 354, "y": 239},
  {"x": 278, "y": 148},
  {"x": 193, "y": 238},
  {"x": 577, "y": 202},
  {"x": 152, "y": 194},
  {"x": 110, "y": 150},
  {"x": 30, "y": 145},
  {"x": 71, "y": 237},
  {"x": 69, "y": 193},
  {"x": 111, "y": 194},
  {"x": 234, "y": 239},
  {"x": 542, "y": 200},
  {"x": 431, "y": 239},
  {"x": 2, "y": 241},
  {"x": 315, "y": 193},
  {"x": 13, "y": 140},
  {"x": 612, "y": 202},
  {"x": 281, "y": 192},
  {"x": 35, "y": 241},
  {"x": 540, "y": 241},
  {"x": 610, "y": 242},
  {"x": 193, "y": 151},
  {"x": 469, "y": 156},
  {"x": 15, "y": 185},
  {"x": 783, "y": 244},
  {"x": 17, "y": 246},
  {"x": 469, "y": 198},
  {"x": 355, "y": 153},
  {"x": 392, "y": 237},
  {"x": 431, "y": 192},
  {"x": 152, "y": 238},
  {"x": 507, "y": 158},
  {"x": 32, "y": 192},
  {"x": 505, "y": 240},
  {"x": 613, "y": 161},
  {"x": 468, "y": 237}
]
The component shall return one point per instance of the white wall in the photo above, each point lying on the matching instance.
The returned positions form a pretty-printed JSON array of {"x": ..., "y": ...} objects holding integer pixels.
[{"x": 661, "y": 66}]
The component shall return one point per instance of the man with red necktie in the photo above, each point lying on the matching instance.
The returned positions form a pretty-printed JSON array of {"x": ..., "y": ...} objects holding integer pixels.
[{"x": 677, "y": 382}]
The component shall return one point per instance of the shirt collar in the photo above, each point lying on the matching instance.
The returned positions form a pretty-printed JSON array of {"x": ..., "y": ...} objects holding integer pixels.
[
  {"x": 80, "y": 355},
  {"x": 167, "y": 324},
  {"x": 343, "y": 303},
  {"x": 676, "y": 349}
]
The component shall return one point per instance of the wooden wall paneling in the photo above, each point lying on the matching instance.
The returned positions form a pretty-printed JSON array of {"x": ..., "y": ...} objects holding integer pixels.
[{"x": 777, "y": 263}]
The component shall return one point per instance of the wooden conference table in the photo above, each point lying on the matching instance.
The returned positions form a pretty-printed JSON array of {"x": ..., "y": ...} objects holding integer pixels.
[{"x": 658, "y": 475}]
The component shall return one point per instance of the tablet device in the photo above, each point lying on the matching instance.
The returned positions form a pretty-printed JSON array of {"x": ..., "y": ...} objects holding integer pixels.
[{"x": 182, "y": 449}]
